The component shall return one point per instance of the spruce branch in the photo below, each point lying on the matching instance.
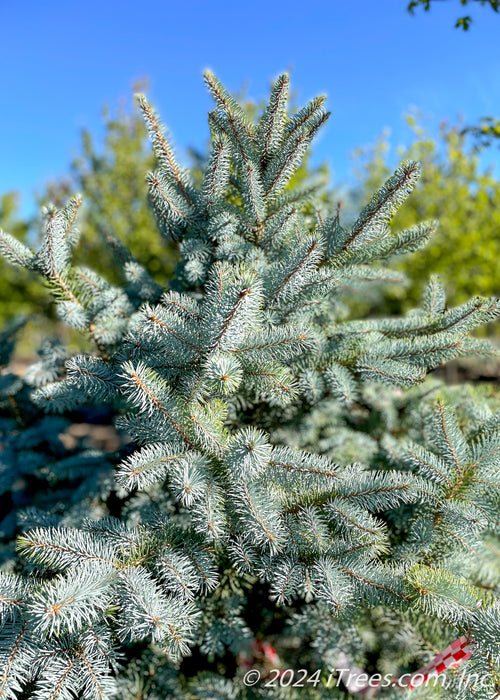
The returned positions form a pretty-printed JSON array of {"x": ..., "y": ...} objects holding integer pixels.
[
  {"x": 373, "y": 219},
  {"x": 272, "y": 124},
  {"x": 163, "y": 150}
]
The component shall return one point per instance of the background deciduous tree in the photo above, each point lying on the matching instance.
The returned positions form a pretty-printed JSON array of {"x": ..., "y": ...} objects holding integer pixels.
[
  {"x": 107, "y": 174},
  {"x": 464, "y": 21},
  {"x": 457, "y": 191}
]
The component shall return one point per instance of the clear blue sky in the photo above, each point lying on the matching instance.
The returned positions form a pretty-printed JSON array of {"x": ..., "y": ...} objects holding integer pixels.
[{"x": 61, "y": 61}]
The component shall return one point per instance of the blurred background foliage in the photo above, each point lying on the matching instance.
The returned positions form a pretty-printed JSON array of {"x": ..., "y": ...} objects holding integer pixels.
[
  {"x": 20, "y": 292},
  {"x": 107, "y": 174},
  {"x": 108, "y": 171},
  {"x": 455, "y": 190}
]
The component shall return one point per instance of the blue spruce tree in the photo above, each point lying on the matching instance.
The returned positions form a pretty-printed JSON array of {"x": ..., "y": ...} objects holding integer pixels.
[{"x": 286, "y": 491}]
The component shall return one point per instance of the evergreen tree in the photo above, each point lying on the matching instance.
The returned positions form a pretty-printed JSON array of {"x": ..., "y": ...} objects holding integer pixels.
[
  {"x": 282, "y": 475},
  {"x": 106, "y": 172}
]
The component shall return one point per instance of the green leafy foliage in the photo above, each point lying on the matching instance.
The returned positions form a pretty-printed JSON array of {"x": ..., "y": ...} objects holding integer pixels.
[
  {"x": 20, "y": 293},
  {"x": 466, "y": 200},
  {"x": 462, "y": 22}
]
